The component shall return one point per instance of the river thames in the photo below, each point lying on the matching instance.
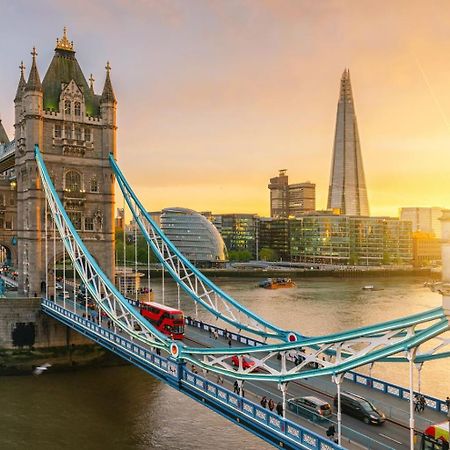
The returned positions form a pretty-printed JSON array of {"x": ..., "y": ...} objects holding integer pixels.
[{"x": 125, "y": 408}]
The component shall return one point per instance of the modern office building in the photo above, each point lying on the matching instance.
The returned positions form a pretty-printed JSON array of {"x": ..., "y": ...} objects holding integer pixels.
[
  {"x": 347, "y": 190},
  {"x": 239, "y": 231},
  {"x": 194, "y": 235},
  {"x": 350, "y": 240},
  {"x": 423, "y": 219},
  {"x": 427, "y": 249},
  {"x": 290, "y": 200},
  {"x": 273, "y": 234}
]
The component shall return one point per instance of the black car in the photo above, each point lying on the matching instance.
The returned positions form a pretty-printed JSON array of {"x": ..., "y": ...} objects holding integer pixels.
[{"x": 359, "y": 407}]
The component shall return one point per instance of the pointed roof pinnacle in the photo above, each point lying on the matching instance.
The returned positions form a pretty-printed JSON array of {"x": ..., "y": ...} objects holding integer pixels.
[
  {"x": 3, "y": 136},
  {"x": 108, "y": 91},
  {"x": 22, "y": 83},
  {"x": 64, "y": 43},
  {"x": 34, "y": 81},
  {"x": 91, "y": 82}
]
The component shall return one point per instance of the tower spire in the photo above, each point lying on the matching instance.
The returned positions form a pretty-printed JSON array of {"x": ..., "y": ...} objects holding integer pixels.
[
  {"x": 22, "y": 83},
  {"x": 34, "y": 81},
  {"x": 108, "y": 91},
  {"x": 91, "y": 82},
  {"x": 347, "y": 190},
  {"x": 3, "y": 136},
  {"x": 64, "y": 43}
]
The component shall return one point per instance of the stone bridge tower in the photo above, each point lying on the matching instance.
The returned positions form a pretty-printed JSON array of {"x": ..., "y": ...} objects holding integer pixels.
[{"x": 76, "y": 130}]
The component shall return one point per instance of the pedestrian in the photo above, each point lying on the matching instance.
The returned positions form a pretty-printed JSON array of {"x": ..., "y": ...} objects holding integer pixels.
[
  {"x": 210, "y": 332},
  {"x": 331, "y": 431},
  {"x": 216, "y": 335},
  {"x": 229, "y": 343},
  {"x": 271, "y": 404},
  {"x": 219, "y": 379},
  {"x": 423, "y": 403},
  {"x": 447, "y": 402},
  {"x": 416, "y": 402},
  {"x": 264, "y": 402},
  {"x": 236, "y": 387},
  {"x": 280, "y": 409},
  {"x": 444, "y": 443}
]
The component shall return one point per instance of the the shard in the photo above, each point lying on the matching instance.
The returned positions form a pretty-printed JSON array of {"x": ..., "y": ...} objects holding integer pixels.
[{"x": 347, "y": 191}]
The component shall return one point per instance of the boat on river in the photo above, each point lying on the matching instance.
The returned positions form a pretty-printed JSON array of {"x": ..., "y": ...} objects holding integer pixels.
[
  {"x": 371, "y": 287},
  {"x": 276, "y": 283}
]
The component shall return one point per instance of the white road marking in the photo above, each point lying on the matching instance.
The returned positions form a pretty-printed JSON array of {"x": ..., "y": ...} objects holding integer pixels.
[{"x": 391, "y": 439}]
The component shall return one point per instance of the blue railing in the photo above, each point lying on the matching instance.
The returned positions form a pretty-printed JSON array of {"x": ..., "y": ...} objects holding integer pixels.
[
  {"x": 274, "y": 429},
  {"x": 370, "y": 382},
  {"x": 250, "y": 410}
]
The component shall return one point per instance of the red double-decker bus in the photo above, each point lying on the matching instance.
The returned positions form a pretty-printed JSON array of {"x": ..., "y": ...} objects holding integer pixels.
[{"x": 168, "y": 320}]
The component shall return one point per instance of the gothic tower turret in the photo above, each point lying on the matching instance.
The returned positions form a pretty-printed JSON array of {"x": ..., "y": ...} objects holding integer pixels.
[
  {"x": 75, "y": 130},
  {"x": 29, "y": 132}
]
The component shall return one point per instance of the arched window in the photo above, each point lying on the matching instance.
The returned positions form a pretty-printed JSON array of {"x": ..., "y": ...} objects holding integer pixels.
[
  {"x": 73, "y": 181},
  {"x": 77, "y": 108},
  {"x": 78, "y": 134},
  {"x": 93, "y": 185},
  {"x": 67, "y": 107}
]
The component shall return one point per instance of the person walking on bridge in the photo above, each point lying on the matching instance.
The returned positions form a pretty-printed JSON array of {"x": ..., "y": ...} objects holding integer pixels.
[
  {"x": 280, "y": 409},
  {"x": 271, "y": 404},
  {"x": 264, "y": 402}
]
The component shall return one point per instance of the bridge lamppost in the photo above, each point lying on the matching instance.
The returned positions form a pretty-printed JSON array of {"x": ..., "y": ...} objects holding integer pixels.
[
  {"x": 410, "y": 355},
  {"x": 337, "y": 379}
]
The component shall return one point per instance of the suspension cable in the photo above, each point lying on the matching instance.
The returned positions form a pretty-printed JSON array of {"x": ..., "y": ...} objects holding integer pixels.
[
  {"x": 135, "y": 264},
  {"x": 54, "y": 259},
  {"x": 148, "y": 273},
  {"x": 64, "y": 275},
  {"x": 46, "y": 250},
  {"x": 124, "y": 262}
]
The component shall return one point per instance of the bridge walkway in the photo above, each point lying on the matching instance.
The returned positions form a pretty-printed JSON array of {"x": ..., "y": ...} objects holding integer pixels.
[{"x": 393, "y": 433}]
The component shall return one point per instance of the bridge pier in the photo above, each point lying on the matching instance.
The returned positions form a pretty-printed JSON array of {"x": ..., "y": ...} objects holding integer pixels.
[{"x": 445, "y": 289}]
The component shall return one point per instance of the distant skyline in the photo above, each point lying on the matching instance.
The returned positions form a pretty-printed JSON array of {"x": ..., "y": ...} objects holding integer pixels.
[{"x": 215, "y": 96}]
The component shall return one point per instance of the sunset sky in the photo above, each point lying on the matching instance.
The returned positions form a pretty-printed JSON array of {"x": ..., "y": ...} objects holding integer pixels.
[{"x": 215, "y": 96}]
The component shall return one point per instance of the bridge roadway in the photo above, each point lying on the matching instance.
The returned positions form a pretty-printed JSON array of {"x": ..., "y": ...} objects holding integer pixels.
[{"x": 394, "y": 433}]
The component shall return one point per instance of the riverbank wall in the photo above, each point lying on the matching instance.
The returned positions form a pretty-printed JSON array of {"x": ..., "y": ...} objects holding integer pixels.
[{"x": 29, "y": 338}]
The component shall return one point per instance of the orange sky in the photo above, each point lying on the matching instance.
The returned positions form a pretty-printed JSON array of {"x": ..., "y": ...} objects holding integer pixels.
[{"x": 216, "y": 96}]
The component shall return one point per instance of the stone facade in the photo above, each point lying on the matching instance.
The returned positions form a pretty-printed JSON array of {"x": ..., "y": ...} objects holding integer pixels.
[{"x": 76, "y": 131}]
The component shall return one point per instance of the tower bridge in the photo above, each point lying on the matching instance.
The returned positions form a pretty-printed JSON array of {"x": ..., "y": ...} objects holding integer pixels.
[{"x": 62, "y": 186}]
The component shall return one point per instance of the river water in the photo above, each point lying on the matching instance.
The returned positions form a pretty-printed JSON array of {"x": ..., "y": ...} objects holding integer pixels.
[{"x": 124, "y": 408}]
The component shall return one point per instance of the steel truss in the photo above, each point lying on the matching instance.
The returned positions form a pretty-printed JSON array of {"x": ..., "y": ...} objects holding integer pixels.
[
  {"x": 198, "y": 287},
  {"x": 316, "y": 356},
  {"x": 104, "y": 293}
]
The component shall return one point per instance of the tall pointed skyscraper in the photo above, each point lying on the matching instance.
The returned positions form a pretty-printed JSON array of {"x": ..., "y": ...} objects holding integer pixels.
[{"x": 347, "y": 191}]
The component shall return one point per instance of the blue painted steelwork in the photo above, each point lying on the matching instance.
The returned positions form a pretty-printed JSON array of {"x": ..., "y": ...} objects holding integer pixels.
[
  {"x": 103, "y": 291},
  {"x": 281, "y": 433},
  {"x": 394, "y": 390},
  {"x": 140, "y": 213}
]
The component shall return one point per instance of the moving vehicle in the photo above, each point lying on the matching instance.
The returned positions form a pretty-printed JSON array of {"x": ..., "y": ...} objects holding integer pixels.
[
  {"x": 276, "y": 283},
  {"x": 246, "y": 362},
  {"x": 311, "y": 407},
  {"x": 435, "y": 436},
  {"x": 359, "y": 407},
  {"x": 168, "y": 320}
]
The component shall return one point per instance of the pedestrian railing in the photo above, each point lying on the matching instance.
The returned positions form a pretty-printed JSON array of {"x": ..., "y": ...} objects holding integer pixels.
[{"x": 355, "y": 377}]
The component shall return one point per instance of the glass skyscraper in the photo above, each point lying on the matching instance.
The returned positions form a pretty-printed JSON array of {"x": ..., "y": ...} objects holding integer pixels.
[{"x": 347, "y": 191}]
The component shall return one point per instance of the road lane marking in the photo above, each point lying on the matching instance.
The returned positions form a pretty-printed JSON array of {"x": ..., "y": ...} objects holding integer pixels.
[{"x": 390, "y": 438}]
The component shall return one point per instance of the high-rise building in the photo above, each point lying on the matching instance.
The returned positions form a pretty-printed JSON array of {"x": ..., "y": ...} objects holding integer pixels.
[
  {"x": 301, "y": 198},
  {"x": 279, "y": 192},
  {"x": 288, "y": 200},
  {"x": 239, "y": 231},
  {"x": 423, "y": 219},
  {"x": 347, "y": 190}
]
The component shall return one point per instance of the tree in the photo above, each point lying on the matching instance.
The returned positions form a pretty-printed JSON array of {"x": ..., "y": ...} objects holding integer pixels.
[
  {"x": 240, "y": 255},
  {"x": 268, "y": 254}
]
